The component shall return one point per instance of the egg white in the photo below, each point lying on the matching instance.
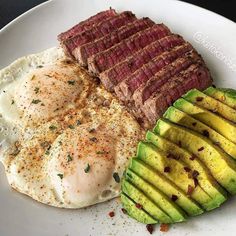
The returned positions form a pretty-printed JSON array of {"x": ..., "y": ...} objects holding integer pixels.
[{"x": 65, "y": 152}]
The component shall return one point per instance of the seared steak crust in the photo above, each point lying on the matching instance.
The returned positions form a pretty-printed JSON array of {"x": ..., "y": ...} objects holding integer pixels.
[
  {"x": 85, "y": 51},
  {"x": 105, "y": 60},
  {"x": 111, "y": 77},
  {"x": 86, "y": 24},
  {"x": 125, "y": 89},
  {"x": 99, "y": 30}
]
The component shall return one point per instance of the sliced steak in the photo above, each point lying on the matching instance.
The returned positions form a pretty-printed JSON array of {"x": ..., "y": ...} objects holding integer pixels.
[
  {"x": 153, "y": 84},
  {"x": 86, "y": 24},
  {"x": 98, "y": 31},
  {"x": 110, "y": 78},
  {"x": 126, "y": 88},
  {"x": 196, "y": 76},
  {"x": 106, "y": 59},
  {"x": 85, "y": 51}
]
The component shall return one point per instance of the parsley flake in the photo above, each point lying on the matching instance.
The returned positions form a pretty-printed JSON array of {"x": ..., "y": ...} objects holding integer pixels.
[
  {"x": 12, "y": 102},
  {"x": 116, "y": 177},
  {"x": 87, "y": 168},
  {"x": 71, "y": 126},
  {"x": 36, "y": 101},
  {"x": 60, "y": 175},
  {"x": 71, "y": 82},
  {"x": 36, "y": 90},
  {"x": 69, "y": 158},
  {"x": 52, "y": 127}
]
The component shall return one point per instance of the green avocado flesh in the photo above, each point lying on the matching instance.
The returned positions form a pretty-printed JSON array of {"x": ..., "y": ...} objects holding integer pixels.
[
  {"x": 176, "y": 116},
  {"x": 187, "y": 164},
  {"x": 205, "y": 179},
  {"x": 226, "y": 96},
  {"x": 221, "y": 166},
  {"x": 219, "y": 124},
  {"x": 138, "y": 214}
]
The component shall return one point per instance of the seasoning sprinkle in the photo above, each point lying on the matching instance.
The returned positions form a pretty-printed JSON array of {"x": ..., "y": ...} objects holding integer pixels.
[
  {"x": 101, "y": 152},
  {"x": 205, "y": 133},
  {"x": 199, "y": 99},
  {"x": 36, "y": 90},
  {"x": 138, "y": 205},
  {"x": 60, "y": 175},
  {"x": 190, "y": 190},
  {"x": 93, "y": 139},
  {"x": 150, "y": 228},
  {"x": 78, "y": 122},
  {"x": 87, "y": 168},
  {"x": 71, "y": 126},
  {"x": 167, "y": 169},
  {"x": 111, "y": 214},
  {"x": 192, "y": 158},
  {"x": 195, "y": 174},
  {"x": 200, "y": 149},
  {"x": 116, "y": 177},
  {"x": 187, "y": 169},
  {"x": 12, "y": 102},
  {"x": 124, "y": 210},
  {"x": 174, "y": 198},
  {"x": 164, "y": 227}
]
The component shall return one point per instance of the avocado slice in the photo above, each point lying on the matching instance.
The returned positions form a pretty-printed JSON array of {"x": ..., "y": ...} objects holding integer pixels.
[
  {"x": 166, "y": 186},
  {"x": 181, "y": 118},
  {"x": 160, "y": 199},
  {"x": 137, "y": 214},
  {"x": 144, "y": 202},
  {"x": 224, "y": 95},
  {"x": 206, "y": 180},
  {"x": 158, "y": 159},
  {"x": 210, "y": 104},
  {"x": 221, "y": 165},
  {"x": 219, "y": 124}
]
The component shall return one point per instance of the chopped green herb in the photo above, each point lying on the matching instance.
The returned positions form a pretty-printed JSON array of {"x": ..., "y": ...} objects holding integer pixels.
[
  {"x": 71, "y": 82},
  {"x": 36, "y": 90},
  {"x": 93, "y": 139},
  {"x": 71, "y": 126},
  {"x": 101, "y": 152},
  {"x": 60, "y": 143},
  {"x": 69, "y": 158},
  {"x": 47, "y": 152},
  {"x": 60, "y": 175},
  {"x": 52, "y": 127},
  {"x": 12, "y": 102},
  {"x": 36, "y": 101},
  {"x": 39, "y": 66},
  {"x": 33, "y": 77},
  {"x": 87, "y": 168},
  {"x": 116, "y": 177},
  {"x": 78, "y": 122}
]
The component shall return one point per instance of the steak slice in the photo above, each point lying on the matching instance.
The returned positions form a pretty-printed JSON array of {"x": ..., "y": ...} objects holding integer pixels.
[
  {"x": 110, "y": 78},
  {"x": 85, "y": 51},
  {"x": 97, "y": 31},
  {"x": 126, "y": 88},
  {"x": 196, "y": 76},
  {"x": 153, "y": 84},
  {"x": 106, "y": 59},
  {"x": 86, "y": 24}
]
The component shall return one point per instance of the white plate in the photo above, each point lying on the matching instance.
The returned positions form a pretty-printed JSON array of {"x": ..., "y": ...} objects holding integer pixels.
[{"x": 214, "y": 37}]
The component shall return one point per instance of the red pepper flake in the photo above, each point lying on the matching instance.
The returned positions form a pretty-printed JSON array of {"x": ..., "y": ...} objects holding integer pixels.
[
  {"x": 139, "y": 206},
  {"x": 190, "y": 190},
  {"x": 111, "y": 214},
  {"x": 205, "y": 133},
  {"x": 194, "y": 123},
  {"x": 192, "y": 158},
  {"x": 195, "y": 180},
  {"x": 174, "y": 198},
  {"x": 150, "y": 228},
  {"x": 200, "y": 149},
  {"x": 199, "y": 99},
  {"x": 167, "y": 169},
  {"x": 195, "y": 174},
  {"x": 164, "y": 227},
  {"x": 187, "y": 169},
  {"x": 124, "y": 210}
]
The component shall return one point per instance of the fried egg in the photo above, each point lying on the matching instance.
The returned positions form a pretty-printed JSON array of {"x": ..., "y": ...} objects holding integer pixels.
[{"x": 64, "y": 140}]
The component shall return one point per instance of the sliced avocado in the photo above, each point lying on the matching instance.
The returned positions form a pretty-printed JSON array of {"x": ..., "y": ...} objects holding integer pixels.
[
  {"x": 210, "y": 104},
  {"x": 206, "y": 180},
  {"x": 221, "y": 125},
  {"x": 160, "y": 199},
  {"x": 181, "y": 118},
  {"x": 138, "y": 214},
  {"x": 156, "y": 158},
  {"x": 143, "y": 202},
  {"x": 221, "y": 165},
  {"x": 224, "y": 95},
  {"x": 166, "y": 186}
]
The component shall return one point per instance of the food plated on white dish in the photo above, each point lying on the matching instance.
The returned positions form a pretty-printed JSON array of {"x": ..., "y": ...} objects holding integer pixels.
[{"x": 75, "y": 113}]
